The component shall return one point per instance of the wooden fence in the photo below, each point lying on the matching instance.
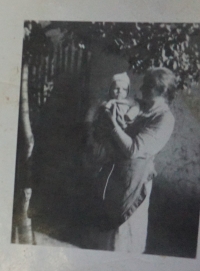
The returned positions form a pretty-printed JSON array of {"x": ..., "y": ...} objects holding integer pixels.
[{"x": 44, "y": 70}]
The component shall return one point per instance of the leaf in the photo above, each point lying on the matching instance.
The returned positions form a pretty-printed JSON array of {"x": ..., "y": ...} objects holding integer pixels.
[
  {"x": 176, "y": 54},
  {"x": 182, "y": 46},
  {"x": 134, "y": 42},
  {"x": 198, "y": 66},
  {"x": 186, "y": 44},
  {"x": 163, "y": 55},
  {"x": 137, "y": 26},
  {"x": 174, "y": 65},
  {"x": 168, "y": 27}
]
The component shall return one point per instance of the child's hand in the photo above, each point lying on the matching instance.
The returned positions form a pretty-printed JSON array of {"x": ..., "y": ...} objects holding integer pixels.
[{"x": 110, "y": 104}]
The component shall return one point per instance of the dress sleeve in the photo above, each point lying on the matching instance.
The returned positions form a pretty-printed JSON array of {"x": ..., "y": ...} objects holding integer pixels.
[{"x": 147, "y": 142}]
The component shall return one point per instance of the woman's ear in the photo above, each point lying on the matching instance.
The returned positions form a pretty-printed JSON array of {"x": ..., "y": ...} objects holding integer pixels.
[
  {"x": 160, "y": 91},
  {"x": 172, "y": 94}
]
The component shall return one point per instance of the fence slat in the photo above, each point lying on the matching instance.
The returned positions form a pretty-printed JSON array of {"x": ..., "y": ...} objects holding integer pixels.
[
  {"x": 79, "y": 60},
  {"x": 66, "y": 58}
]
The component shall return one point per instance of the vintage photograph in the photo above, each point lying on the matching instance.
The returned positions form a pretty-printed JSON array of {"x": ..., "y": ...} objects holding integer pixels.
[{"x": 108, "y": 150}]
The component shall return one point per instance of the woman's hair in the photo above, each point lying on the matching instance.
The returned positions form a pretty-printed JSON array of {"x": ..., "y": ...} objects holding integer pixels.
[{"x": 163, "y": 81}]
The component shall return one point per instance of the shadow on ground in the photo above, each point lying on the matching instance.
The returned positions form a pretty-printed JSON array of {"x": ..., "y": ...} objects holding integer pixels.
[{"x": 58, "y": 188}]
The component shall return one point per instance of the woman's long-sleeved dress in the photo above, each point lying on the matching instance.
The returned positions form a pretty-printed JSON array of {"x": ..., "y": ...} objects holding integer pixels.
[{"x": 122, "y": 182}]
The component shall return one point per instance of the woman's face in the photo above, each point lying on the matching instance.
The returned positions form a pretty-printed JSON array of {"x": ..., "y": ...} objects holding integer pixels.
[
  {"x": 148, "y": 90},
  {"x": 119, "y": 90}
]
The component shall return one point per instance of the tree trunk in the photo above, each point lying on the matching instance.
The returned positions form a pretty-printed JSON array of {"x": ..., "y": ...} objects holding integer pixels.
[
  {"x": 22, "y": 229},
  {"x": 24, "y": 115}
]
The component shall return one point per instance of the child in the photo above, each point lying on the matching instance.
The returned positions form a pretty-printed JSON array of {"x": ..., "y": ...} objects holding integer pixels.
[{"x": 126, "y": 112}]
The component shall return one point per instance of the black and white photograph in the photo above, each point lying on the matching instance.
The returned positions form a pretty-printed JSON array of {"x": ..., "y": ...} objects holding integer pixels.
[{"x": 108, "y": 149}]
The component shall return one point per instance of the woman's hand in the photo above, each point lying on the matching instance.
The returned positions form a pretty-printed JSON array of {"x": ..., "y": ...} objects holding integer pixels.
[{"x": 111, "y": 115}]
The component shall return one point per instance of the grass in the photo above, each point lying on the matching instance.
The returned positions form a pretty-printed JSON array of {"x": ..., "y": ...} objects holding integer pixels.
[{"x": 193, "y": 103}]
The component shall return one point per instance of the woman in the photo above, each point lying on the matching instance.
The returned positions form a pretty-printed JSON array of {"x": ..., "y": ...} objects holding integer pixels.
[{"x": 120, "y": 183}]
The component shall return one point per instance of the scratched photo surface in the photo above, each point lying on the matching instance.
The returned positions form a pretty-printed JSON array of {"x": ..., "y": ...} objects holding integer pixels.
[{"x": 77, "y": 184}]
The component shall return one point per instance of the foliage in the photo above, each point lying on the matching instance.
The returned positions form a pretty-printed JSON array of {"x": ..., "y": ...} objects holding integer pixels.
[
  {"x": 144, "y": 45},
  {"x": 175, "y": 46},
  {"x": 35, "y": 42},
  {"x": 169, "y": 45}
]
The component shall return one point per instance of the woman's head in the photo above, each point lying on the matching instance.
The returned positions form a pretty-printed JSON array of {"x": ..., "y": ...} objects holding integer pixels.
[
  {"x": 159, "y": 82},
  {"x": 119, "y": 88}
]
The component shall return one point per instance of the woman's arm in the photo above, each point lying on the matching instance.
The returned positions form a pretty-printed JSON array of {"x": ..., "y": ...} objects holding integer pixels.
[
  {"x": 124, "y": 141},
  {"x": 148, "y": 142}
]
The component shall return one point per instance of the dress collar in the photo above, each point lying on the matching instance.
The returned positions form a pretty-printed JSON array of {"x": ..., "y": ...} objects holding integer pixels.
[{"x": 157, "y": 106}]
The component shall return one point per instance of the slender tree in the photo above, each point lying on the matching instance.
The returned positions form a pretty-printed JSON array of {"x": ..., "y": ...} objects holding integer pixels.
[{"x": 33, "y": 44}]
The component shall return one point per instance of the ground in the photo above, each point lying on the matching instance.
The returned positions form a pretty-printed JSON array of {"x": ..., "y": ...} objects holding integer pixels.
[{"x": 174, "y": 202}]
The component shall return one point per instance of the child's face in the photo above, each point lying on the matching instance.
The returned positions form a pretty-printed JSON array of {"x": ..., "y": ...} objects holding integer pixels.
[{"x": 119, "y": 90}]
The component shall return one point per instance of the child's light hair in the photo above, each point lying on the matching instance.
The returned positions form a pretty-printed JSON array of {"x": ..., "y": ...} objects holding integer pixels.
[{"x": 163, "y": 81}]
